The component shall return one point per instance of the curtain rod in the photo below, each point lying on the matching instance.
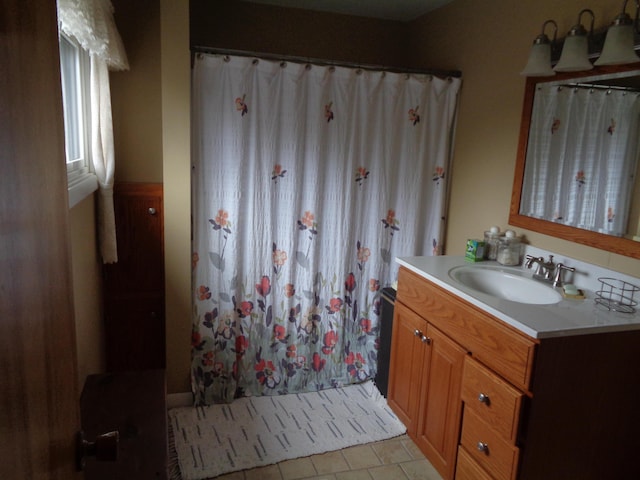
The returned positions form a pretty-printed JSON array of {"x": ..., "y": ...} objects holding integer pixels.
[
  {"x": 290, "y": 58},
  {"x": 596, "y": 86}
]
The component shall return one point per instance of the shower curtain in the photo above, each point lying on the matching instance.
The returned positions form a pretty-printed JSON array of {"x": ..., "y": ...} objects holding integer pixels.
[
  {"x": 581, "y": 158},
  {"x": 307, "y": 182}
]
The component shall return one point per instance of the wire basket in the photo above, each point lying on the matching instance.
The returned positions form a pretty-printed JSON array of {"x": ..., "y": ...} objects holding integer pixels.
[{"x": 616, "y": 295}]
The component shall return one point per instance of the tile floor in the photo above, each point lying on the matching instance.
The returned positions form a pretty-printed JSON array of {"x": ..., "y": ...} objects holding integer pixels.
[{"x": 394, "y": 459}]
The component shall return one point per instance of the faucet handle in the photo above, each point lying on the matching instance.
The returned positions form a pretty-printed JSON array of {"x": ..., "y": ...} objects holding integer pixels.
[{"x": 557, "y": 279}]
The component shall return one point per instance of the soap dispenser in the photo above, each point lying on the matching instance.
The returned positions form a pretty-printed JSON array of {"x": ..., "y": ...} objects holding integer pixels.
[{"x": 509, "y": 249}]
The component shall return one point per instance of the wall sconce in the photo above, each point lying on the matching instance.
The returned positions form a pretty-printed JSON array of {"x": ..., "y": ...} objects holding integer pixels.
[
  {"x": 575, "y": 53},
  {"x": 539, "y": 63},
  {"x": 618, "y": 45}
]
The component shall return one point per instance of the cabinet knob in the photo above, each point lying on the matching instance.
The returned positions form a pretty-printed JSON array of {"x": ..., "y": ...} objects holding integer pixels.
[
  {"x": 426, "y": 340},
  {"x": 152, "y": 211},
  {"x": 417, "y": 333},
  {"x": 482, "y": 398},
  {"x": 483, "y": 447}
]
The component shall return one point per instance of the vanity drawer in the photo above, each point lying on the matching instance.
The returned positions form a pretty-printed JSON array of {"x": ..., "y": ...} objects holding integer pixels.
[
  {"x": 498, "y": 345},
  {"x": 494, "y": 400},
  {"x": 488, "y": 448},
  {"x": 468, "y": 469}
]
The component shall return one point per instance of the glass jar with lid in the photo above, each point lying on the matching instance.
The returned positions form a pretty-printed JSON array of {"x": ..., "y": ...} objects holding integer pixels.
[
  {"x": 509, "y": 249},
  {"x": 491, "y": 242}
]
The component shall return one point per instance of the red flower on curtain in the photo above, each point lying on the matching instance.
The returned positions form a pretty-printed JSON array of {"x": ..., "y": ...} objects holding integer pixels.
[
  {"x": 267, "y": 374},
  {"x": 245, "y": 309},
  {"x": 365, "y": 325},
  {"x": 391, "y": 222},
  {"x": 438, "y": 174},
  {"x": 289, "y": 290},
  {"x": 264, "y": 287},
  {"x": 612, "y": 127},
  {"x": 242, "y": 344},
  {"x": 356, "y": 366},
  {"x": 555, "y": 125},
  {"x": 328, "y": 113},
  {"x": 350, "y": 282},
  {"x": 335, "y": 304},
  {"x": 330, "y": 340},
  {"x": 241, "y": 106},
  {"x": 581, "y": 178},
  {"x": 361, "y": 175},
  {"x": 279, "y": 333},
  {"x": 277, "y": 172},
  {"x": 317, "y": 362},
  {"x": 414, "y": 118},
  {"x": 203, "y": 293}
]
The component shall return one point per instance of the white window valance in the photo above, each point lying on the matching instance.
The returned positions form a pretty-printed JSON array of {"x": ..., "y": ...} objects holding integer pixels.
[{"x": 91, "y": 23}]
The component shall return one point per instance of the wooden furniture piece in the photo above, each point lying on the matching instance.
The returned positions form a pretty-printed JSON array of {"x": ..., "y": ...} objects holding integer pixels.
[
  {"x": 514, "y": 407},
  {"x": 134, "y": 286},
  {"x": 134, "y": 404}
]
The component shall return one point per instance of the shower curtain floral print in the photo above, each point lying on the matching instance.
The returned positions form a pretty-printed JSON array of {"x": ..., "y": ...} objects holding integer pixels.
[{"x": 307, "y": 182}]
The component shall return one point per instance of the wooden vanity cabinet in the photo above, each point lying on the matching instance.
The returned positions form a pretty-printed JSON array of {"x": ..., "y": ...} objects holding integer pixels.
[
  {"x": 484, "y": 401},
  {"x": 424, "y": 386}
]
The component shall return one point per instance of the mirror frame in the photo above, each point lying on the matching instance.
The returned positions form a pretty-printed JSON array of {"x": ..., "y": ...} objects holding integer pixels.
[{"x": 619, "y": 245}]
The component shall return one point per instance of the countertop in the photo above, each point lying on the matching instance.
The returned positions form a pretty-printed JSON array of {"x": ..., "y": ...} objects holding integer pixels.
[{"x": 566, "y": 318}]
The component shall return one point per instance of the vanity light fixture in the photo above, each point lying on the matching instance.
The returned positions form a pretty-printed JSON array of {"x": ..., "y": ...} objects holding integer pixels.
[
  {"x": 618, "y": 45},
  {"x": 575, "y": 53},
  {"x": 539, "y": 63}
]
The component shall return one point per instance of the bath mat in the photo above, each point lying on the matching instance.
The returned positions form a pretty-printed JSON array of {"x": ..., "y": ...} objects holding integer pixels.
[{"x": 257, "y": 431}]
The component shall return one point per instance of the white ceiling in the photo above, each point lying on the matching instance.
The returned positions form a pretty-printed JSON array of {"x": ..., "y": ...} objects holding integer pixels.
[{"x": 402, "y": 10}]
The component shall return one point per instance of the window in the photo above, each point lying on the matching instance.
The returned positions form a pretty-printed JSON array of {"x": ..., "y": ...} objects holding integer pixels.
[{"x": 74, "y": 68}]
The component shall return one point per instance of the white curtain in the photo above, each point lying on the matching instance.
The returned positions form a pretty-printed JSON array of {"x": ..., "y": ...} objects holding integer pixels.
[
  {"x": 91, "y": 23},
  {"x": 307, "y": 182},
  {"x": 581, "y": 157}
]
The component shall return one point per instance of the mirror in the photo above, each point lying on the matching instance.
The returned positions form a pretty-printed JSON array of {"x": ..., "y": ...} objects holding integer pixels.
[{"x": 554, "y": 224}]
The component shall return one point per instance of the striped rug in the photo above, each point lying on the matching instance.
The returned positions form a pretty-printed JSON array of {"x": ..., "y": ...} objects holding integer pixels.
[{"x": 256, "y": 431}]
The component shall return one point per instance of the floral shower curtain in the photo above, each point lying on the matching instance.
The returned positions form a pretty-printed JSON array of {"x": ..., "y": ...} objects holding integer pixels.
[
  {"x": 581, "y": 158},
  {"x": 307, "y": 182}
]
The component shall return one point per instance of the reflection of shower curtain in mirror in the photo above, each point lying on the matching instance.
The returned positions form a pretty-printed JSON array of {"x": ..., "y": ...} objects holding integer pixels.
[
  {"x": 307, "y": 182},
  {"x": 581, "y": 157}
]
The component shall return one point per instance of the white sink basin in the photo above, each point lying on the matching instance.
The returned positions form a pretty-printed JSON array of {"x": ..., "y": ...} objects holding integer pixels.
[{"x": 506, "y": 284}]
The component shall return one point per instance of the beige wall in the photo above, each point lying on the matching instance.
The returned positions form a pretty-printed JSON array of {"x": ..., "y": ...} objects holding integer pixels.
[
  {"x": 176, "y": 75},
  {"x": 488, "y": 40},
  {"x": 87, "y": 289}
]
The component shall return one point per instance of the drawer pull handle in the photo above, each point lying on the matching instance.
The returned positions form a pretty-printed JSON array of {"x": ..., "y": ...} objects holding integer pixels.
[
  {"x": 426, "y": 340},
  {"x": 483, "y": 447},
  {"x": 482, "y": 398},
  {"x": 152, "y": 211},
  {"x": 417, "y": 333}
]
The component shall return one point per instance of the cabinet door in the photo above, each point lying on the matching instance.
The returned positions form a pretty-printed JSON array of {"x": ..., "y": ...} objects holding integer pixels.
[
  {"x": 440, "y": 406},
  {"x": 139, "y": 230},
  {"x": 407, "y": 361},
  {"x": 135, "y": 333}
]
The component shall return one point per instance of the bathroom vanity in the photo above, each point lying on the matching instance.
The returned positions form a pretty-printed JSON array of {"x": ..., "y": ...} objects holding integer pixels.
[{"x": 496, "y": 389}]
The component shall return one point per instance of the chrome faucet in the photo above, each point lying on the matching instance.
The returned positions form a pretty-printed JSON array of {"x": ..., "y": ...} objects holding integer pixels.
[
  {"x": 544, "y": 270},
  {"x": 548, "y": 271}
]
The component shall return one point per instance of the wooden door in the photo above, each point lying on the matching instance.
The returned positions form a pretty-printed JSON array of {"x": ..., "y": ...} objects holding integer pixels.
[
  {"x": 439, "y": 412},
  {"x": 38, "y": 380},
  {"x": 407, "y": 360},
  {"x": 134, "y": 286}
]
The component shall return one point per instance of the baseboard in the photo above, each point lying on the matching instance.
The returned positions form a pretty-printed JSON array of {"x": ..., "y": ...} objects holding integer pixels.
[{"x": 179, "y": 400}]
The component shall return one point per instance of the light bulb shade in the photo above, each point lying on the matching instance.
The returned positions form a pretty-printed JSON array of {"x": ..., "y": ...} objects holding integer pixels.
[
  {"x": 574, "y": 57},
  {"x": 618, "y": 46},
  {"x": 539, "y": 63}
]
